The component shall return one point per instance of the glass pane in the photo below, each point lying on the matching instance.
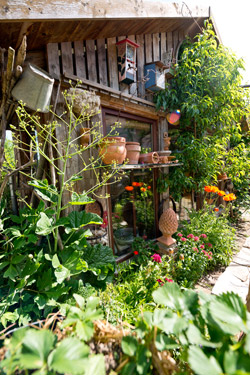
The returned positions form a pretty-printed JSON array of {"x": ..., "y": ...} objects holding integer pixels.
[
  {"x": 132, "y": 130},
  {"x": 133, "y": 210}
]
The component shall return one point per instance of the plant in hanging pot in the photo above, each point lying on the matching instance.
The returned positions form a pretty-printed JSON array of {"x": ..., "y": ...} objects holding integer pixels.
[{"x": 113, "y": 150}]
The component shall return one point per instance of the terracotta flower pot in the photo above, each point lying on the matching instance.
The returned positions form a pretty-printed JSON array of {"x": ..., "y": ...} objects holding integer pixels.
[
  {"x": 85, "y": 136},
  {"x": 149, "y": 158},
  {"x": 133, "y": 152},
  {"x": 113, "y": 149},
  {"x": 222, "y": 176}
]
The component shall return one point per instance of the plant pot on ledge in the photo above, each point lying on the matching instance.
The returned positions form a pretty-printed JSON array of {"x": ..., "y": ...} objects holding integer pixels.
[
  {"x": 133, "y": 152},
  {"x": 85, "y": 136},
  {"x": 149, "y": 158},
  {"x": 113, "y": 150}
]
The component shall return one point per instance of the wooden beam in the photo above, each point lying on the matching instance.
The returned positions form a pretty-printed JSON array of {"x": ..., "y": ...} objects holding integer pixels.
[{"x": 95, "y": 9}]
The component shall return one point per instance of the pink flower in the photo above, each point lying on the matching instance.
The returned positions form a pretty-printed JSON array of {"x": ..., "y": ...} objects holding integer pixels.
[
  {"x": 195, "y": 249},
  {"x": 196, "y": 238},
  {"x": 183, "y": 239},
  {"x": 179, "y": 235},
  {"x": 209, "y": 245},
  {"x": 203, "y": 235},
  {"x": 159, "y": 281},
  {"x": 202, "y": 247},
  {"x": 210, "y": 253},
  {"x": 169, "y": 280},
  {"x": 156, "y": 258},
  {"x": 190, "y": 235}
]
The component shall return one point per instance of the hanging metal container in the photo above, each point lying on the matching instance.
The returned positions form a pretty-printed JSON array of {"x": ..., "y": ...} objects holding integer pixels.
[{"x": 34, "y": 88}]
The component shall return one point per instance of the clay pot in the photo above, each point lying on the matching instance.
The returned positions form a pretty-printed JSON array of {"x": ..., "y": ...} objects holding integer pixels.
[
  {"x": 113, "y": 150},
  {"x": 222, "y": 176},
  {"x": 133, "y": 152},
  {"x": 85, "y": 136},
  {"x": 166, "y": 141},
  {"x": 149, "y": 158}
]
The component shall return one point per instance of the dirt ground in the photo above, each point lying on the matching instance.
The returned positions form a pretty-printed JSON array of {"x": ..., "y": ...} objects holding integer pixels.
[{"x": 207, "y": 282}]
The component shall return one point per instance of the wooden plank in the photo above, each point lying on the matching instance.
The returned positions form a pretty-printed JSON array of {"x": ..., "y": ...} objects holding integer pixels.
[
  {"x": 148, "y": 48},
  {"x": 91, "y": 60},
  {"x": 112, "y": 63},
  {"x": 133, "y": 86},
  {"x": 181, "y": 35},
  {"x": 86, "y": 83},
  {"x": 67, "y": 58},
  {"x": 156, "y": 47},
  {"x": 175, "y": 41},
  {"x": 53, "y": 63},
  {"x": 140, "y": 65},
  {"x": 102, "y": 61},
  {"x": 94, "y": 9},
  {"x": 169, "y": 41},
  {"x": 80, "y": 59},
  {"x": 163, "y": 43}
]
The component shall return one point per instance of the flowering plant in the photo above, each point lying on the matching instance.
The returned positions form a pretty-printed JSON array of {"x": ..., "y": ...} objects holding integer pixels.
[{"x": 193, "y": 257}]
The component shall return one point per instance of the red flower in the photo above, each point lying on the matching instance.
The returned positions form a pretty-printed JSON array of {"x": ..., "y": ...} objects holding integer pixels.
[
  {"x": 136, "y": 252},
  {"x": 134, "y": 183},
  {"x": 216, "y": 209},
  {"x": 149, "y": 187},
  {"x": 143, "y": 189}
]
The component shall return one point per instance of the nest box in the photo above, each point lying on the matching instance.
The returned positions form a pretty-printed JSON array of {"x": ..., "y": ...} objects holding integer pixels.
[
  {"x": 154, "y": 74},
  {"x": 126, "y": 60}
]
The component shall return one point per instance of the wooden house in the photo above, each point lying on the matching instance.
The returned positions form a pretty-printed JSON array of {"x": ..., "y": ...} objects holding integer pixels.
[{"x": 77, "y": 40}]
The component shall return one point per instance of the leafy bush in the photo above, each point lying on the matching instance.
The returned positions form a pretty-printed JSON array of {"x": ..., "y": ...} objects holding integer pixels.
[
  {"x": 57, "y": 352},
  {"x": 133, "y": 288},
  {"x": 192, "y": 331},
  {"x": 193, "y": 257},
  {"x": 34, "y": 280},
  {"x": 220, "y": 234}
]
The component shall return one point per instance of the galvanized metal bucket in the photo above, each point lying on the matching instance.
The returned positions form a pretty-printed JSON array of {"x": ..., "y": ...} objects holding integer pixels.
[{"x": 34, "y": 88}]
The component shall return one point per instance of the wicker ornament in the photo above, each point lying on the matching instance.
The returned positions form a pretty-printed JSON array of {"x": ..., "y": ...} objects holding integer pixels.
[{"x": 168, "y": 225}]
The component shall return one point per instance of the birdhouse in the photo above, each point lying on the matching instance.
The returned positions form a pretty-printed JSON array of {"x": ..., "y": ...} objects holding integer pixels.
[
  {"x": 126, "y": 60},
  {"x": 155, "y": 76}
]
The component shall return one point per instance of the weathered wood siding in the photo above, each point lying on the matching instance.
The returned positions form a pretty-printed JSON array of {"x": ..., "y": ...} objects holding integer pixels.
[{"x": 96, "y": 60}]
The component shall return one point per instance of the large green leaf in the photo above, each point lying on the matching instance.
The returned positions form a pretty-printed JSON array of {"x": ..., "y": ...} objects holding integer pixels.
[
  {"x": 74, "y": 261},
  {"x": 44, "y": 225},
  {"x": 226, "y": 318},
  {"x": 61, "y": 273},
  {"x": 69, "y": 357},
  {"x": 44, "y": 190},
  {"x": 201, "y": 364},
  {"x": 80, "y": 219},
  {"x": 11, "y": 272},
  {"x": 129, "y": 345},
  {"x": 171, "y": 296},
  {"x": 95, "y": 365},
  {"x": 80, "y": 199},
  {"x": 36, "y": 347}
]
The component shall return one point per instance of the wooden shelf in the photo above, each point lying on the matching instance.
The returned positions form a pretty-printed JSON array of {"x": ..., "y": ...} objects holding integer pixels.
[{"x": 147, "y": 166}]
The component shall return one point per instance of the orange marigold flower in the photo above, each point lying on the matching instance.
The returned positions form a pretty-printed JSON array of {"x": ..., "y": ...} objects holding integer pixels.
[
  {"x": 214, "y": 189},
  {"x": 129, "y": 188},
  {"x": 134, "y": 183},
  {"x": 140, "y": 184},
  {"x": 143, "y": 189},
  {"x": 216, "y": 209},
  {"x": 221, "y": 193},
  {"x": 207, "y": 189},
  {"x": 229, "y": 197}
]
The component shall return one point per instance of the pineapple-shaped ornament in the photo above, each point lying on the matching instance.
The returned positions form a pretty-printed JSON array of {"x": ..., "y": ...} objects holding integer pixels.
[{"x": 168, "y": 225}]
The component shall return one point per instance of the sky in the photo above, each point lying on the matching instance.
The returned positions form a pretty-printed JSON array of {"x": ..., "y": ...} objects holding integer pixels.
[{"x": 232, "y": 19}]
